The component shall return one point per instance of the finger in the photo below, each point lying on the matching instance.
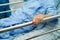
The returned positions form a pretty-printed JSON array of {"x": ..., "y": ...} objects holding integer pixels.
[
  {"x": 48, "y": 15},
  {"x": 34, "y": 21},
  {"x": 37, "y": 21}
]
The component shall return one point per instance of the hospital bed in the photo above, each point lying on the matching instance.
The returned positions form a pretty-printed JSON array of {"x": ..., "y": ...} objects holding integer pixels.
[
  {"x": 40, "y": 34},
  {"x": 36, "y": 33}
]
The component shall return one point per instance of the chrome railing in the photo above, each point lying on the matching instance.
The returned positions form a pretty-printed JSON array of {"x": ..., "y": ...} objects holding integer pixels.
[
  {"x": 12, "y": 3},
  {"x": 26, "y": 24}
]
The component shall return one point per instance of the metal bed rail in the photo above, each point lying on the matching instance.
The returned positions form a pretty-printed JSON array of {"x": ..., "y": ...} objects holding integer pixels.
[
  {"x": 44, "y": 33},
  {"x": 26, "y": 24},
  {"x": 12, "y": 3}
]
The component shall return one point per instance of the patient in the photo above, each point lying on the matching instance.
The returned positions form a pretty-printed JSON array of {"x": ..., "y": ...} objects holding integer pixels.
[{"x": 33, "y": 10}]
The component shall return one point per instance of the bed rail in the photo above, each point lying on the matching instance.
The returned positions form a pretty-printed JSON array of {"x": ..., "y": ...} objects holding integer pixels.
[{"x": 26, "y": 24}]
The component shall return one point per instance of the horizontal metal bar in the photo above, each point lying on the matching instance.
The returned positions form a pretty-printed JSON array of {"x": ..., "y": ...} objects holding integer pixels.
[
  {"x": 51, "y": 18},
  {"x": 25, "y": 24},
  {"x": 44, "y": 33},
  {"x": 15, "y": 27},
  {"x": 11, "y": 3},
  {"x": 8, "y": 11}
]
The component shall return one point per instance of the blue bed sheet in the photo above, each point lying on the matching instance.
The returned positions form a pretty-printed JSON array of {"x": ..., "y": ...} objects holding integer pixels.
[{"x": 26, "y": 14}]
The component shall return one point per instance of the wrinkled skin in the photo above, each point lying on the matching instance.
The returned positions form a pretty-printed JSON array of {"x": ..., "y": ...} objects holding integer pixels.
[{"x": 39, "y": 19}]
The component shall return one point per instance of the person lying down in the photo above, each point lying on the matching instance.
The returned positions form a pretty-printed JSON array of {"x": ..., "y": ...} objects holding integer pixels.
[{"x": 33, "y": 10}]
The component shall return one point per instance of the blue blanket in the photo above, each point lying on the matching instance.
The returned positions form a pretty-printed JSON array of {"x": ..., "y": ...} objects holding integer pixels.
[{"x": 25, "y": 14}]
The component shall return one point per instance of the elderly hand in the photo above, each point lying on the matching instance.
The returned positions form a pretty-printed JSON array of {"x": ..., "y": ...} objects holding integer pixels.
[{"x": 39, "y": 19}]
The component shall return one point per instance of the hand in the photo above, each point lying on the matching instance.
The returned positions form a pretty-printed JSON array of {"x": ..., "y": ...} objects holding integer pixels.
[{"x": 39, "y": 19}]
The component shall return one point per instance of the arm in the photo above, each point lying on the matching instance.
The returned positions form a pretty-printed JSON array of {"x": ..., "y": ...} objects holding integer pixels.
[{"x": 50, "y": 10}]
